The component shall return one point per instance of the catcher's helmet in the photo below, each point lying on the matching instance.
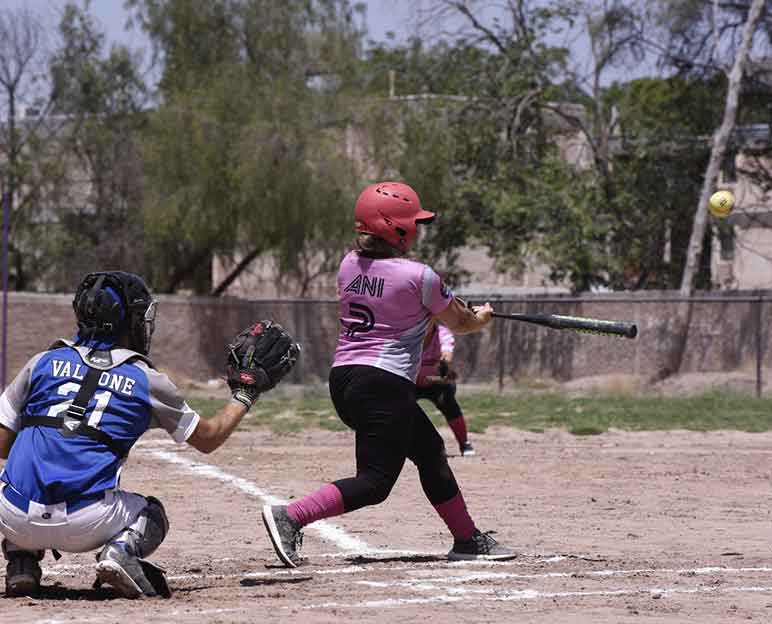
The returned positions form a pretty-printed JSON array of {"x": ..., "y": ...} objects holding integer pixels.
[
  {"x": 391, "y": 210},
  {"x": 108, "y": 304}
]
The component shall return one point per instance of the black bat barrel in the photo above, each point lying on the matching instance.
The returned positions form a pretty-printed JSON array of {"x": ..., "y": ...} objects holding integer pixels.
[
  {"x": 618, "y": 328},
  {"x": 576, "y": 323}
]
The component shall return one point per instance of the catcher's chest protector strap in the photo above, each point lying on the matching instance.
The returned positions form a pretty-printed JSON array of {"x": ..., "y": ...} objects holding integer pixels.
[{"x": 71, "y": 424}]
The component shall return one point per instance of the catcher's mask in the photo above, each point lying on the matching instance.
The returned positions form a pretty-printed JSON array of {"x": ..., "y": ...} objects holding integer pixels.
[{"x": 108, "y": 304}]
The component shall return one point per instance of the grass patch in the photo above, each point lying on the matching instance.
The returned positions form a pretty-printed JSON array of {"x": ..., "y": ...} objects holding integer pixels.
[
  {"x": 592, "y": 414},
  {"x": 585, "y": 430},
  {"x": 282, "y": 414},
  {"x": 584, "y": 415}
]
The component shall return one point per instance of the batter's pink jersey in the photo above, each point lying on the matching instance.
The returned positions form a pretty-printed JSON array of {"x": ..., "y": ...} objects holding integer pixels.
[
  {"x": 385, "y": 308},
  {"x": 441, "y": 341}
]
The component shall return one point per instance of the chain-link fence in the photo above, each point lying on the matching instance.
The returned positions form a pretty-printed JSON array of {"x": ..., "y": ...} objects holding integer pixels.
[{"x": 728, "y": 333}]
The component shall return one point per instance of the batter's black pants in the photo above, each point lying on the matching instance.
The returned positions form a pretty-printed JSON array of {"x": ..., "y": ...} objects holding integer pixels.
[
  {"x": 390, "y": 427},
  {"x": 444, "y": 398}
]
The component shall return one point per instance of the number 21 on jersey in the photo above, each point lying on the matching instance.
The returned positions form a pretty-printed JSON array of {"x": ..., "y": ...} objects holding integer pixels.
[{"x": 102, "y": 399}]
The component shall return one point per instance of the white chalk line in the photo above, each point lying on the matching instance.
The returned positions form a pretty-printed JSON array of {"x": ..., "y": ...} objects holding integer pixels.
[
  {"x": 72, "y": 569},
  {"x": 349, "y": 546},
  {"x": 327, "y": 531},
  {"x": 497, "y": 595},
  {"x": 449, "y": 591},
  {"x": 521, "y": 560},
  {"x": 174, "y": 615},
  {"x": 499, "y": 576},
  {"x": 435, "y": 566},
  {"x": 355, "y": 546}
]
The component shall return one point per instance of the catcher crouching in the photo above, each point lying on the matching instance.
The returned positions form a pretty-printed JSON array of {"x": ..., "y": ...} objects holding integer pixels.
[{"x": 71, "y": 416}]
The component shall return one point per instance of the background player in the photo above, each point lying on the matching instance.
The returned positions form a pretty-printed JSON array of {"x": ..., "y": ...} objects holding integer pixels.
[
  {"x": 437, "y": 382},
  {"x": 69, "y": 420},
  {"x": 386, "y": 305}
]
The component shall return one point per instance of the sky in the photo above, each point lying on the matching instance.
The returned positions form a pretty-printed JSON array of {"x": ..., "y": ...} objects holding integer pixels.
[
  {"x": 400, "y": 17},
  {"x": 382, "y": 16}
]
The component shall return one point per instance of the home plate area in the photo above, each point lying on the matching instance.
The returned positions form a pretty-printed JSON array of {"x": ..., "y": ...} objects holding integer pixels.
[{"x": 645, "y": 527}]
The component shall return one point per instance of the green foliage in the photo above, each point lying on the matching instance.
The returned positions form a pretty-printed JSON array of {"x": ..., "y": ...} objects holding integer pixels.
[
  {"x": 243, "y": 155},
  {"x": 100, "y": 94},
  {"x": 443, "y": 68},
  {"x": 270, "y": 116},
  {"x": 678, "y": 108},
  {"x": 580, "y": 415},
  {"x": 596, "y": 413},
  {"x": 88, "y": 79},
  {"x": 602, "y": 197},
  {"x": 71, "y": 164}
]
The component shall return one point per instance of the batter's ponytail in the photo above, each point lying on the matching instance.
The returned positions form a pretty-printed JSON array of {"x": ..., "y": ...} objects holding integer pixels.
[{"x": 371, "y": 246}]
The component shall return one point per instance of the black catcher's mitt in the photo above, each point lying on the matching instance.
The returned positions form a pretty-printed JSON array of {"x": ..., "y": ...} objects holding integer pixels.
[{"x": 258, "y": 359}]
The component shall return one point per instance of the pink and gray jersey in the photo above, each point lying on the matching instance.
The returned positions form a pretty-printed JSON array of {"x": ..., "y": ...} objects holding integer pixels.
[
  {"x": 441, "y": 341},
  {"x": 446, "y": 338},
  {"x": 385, "y": 309}
]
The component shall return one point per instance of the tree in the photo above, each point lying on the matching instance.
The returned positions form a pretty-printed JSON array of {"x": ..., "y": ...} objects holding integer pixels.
[
  {"x": 22, "y": 83},
  {"x": 540, "y": 158},
  {"x": 96, "y": 204},
  {"x": 470, "y": 134},
  {"x": 720, "y": 141},
  {"x": 697, "y": 32},
  {"x": 514, "y": 179},
  {"x": 242, "y": 150}
]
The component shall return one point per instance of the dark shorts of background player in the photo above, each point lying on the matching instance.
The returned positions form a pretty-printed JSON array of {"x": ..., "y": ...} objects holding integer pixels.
[
  {"x": 444, "y": 398},
  {"x": 390, "y": 427}
]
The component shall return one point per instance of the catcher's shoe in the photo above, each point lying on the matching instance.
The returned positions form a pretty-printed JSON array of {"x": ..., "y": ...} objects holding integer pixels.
[
  {"x": 480, "y": 546},
  {"x": 285, "y": 534},
  {"x": 466, "y": 449},
  {"x": 130, "y": 576},
  {"x": 22, "y": 574}
]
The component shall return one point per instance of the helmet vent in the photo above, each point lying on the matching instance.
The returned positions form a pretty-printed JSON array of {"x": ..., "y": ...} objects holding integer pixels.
[{"x": 381, "y": 191}]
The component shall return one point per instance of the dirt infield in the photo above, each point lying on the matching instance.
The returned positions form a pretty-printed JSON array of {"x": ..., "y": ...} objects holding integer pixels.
[{"x": 643, "y": 527}]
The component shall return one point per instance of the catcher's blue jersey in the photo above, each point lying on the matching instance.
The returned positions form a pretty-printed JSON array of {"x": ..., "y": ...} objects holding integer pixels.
[{"x": 47, "y": 467}]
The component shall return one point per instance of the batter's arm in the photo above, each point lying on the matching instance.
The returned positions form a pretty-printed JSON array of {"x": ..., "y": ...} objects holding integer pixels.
[
  {"x": 12, "y": 403},
  {"x": 461, "y": 320},
  {"x": 210, "y": 434},
  {"x": 7, "y": 438}
]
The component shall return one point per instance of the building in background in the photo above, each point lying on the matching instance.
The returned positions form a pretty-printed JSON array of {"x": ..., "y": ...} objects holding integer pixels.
[{"x": 742, "y": 251}]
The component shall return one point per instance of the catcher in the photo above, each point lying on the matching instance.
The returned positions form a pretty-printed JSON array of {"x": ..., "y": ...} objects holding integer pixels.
[
  {"x": 436, "y": 381},
  {"x": 73, "y": 413}
]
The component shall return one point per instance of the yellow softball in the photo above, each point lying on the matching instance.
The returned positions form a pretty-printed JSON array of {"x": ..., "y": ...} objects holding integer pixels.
[{"x": 721, "y": 203}]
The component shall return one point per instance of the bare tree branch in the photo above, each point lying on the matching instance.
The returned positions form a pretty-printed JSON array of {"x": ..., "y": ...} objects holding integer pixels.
[{"x": 720, "y": 142}]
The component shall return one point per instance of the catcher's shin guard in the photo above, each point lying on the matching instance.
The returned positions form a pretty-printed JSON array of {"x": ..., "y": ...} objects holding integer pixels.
[
  {"x": 22, "y": 573},
  {"x": 121, "y": 563},
  {"x": 149, "y": 529}
]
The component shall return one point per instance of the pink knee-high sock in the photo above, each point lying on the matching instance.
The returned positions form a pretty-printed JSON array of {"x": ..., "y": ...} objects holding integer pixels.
[
  {"x": 458, "y": 425},
  {"x": 455, "y": 515},
  {"x": 326, "y": 502}
]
